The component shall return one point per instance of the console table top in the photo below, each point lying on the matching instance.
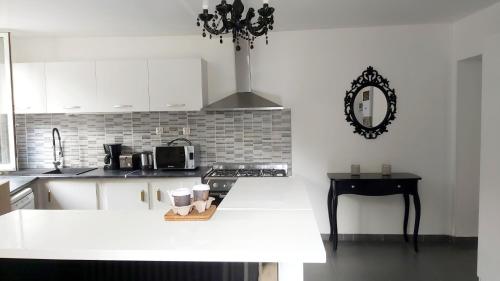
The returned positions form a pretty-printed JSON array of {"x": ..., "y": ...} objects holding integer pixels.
[{"x": 372, "y": 176}]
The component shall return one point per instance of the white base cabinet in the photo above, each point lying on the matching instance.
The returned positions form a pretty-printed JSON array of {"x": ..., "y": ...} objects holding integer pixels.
[
  {"x": 159, "y": 191},
  {"x": 67, "y": 195},
  {"x": 112, "y": 194},
  {"x": 124, "y": 195}
]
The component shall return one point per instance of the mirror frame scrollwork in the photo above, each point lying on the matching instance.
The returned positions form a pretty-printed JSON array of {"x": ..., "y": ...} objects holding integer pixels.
[{"x": 370, "y": 77}]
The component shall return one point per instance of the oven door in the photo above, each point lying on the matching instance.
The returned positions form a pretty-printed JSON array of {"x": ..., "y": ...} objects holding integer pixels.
[{"x": 170, "y": 157}]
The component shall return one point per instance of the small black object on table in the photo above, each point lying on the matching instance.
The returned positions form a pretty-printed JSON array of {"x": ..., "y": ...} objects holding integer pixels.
[{"x": 369, "y": 184}]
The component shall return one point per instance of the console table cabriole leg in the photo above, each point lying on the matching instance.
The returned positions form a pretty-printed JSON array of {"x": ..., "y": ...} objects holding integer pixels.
[
  {"x": 407, "y": 210},
  {"x": 329, "y": 203},
  {"x": 416, "y": 202},
  {"x": 334, "y": 219}
]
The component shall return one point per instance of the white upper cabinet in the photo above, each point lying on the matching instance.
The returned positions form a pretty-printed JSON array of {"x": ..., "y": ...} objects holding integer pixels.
[
  {"x": 177, "y": 84},
  {"x": 71, "y": 87},
  {"x": 30, "y": 94},
  {"x": 122, "y": 85}
]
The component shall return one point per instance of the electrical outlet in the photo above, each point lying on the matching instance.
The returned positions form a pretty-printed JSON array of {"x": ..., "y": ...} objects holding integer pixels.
[
  {"x": 186, "y": 131},
  {"x": 159, "y": 130}
]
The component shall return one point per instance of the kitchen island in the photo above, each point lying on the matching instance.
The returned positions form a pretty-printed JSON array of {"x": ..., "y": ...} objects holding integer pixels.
[{"x": 286, "y": 236}]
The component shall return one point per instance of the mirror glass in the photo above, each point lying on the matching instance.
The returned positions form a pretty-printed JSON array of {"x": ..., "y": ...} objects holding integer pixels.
[
  {"x": 370, "y": 107},
  {"x": 7, "y": 146}
]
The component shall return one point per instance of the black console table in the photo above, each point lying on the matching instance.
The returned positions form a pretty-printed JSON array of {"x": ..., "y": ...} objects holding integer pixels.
[{"x": 374, "y": 185}]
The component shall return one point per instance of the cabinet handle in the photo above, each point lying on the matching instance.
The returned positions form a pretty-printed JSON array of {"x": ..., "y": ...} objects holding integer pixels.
[
  {"x": 27, "y": 108},
  {"x": 175, "y": 105},
  {"x": 353, "y": 186},
  {"x": 72, "y": 107},
  {"x": 122, "y": 106},
  {"x": 143, "y": 196},
  {"x": 49, "y": 196},
  {"x": 158, "y": 195},
  {"x": 399, "y": 186}
]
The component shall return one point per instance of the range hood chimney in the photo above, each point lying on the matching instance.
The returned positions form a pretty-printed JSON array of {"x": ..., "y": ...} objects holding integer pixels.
[{"x": 244, "y": 98}]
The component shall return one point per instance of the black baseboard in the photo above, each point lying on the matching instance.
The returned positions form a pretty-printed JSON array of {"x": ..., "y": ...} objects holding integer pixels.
[{"x": 399, "y": 237}]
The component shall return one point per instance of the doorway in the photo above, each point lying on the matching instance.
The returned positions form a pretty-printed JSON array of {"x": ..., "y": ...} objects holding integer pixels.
[{"x": 468, "y": 147}]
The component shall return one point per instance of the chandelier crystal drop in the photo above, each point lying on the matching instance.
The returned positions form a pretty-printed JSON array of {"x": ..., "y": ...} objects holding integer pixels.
[{"x": 228, "y": 19}]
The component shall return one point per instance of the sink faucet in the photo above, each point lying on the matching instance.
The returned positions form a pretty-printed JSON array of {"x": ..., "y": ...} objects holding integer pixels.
[{"x": 55, "y": 162}]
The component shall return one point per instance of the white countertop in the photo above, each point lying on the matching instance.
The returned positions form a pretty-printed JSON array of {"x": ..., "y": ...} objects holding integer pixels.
[
  {"x": 267, "y": 194},
  {"x": 249, "y": 235}
]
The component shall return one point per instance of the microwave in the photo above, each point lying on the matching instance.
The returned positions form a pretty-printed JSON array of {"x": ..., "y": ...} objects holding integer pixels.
[{"x": 185, "y": 157}]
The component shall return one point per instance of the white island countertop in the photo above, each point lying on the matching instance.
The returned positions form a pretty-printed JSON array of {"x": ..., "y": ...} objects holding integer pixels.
[
  {"x": 250, "y": 234},
  {"x": 279, "y": 194}
]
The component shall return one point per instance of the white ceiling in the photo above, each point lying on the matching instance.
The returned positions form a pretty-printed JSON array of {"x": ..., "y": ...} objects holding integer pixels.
[{"x": 167, "y": 17}]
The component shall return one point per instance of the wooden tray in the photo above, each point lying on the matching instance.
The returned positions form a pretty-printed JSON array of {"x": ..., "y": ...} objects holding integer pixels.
[{"x": 193, "y": 216}]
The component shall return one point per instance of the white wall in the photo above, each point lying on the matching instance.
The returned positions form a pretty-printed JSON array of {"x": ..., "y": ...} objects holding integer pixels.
[
  {"x": 479, "y": 34},
  {"x": 489, "y": 208},
  {"x": 309, "y": 72},
  {"x": 468, "y": 147},
  {"x": 470, "y": 34}
]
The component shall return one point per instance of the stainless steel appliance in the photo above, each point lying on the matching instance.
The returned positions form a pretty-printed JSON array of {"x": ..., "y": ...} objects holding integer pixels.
[
  {"x": 177, "y": 157},
  {"x": 126, "y": 161},
  {"x": 244, "y": 98},
  {"x": 56, "y": 162},
  {"x": 24, "y": 199},
  {"x": 147, "y": 161},
  {"x": 112, "y": 158},
  {"x": 222, "y": 176}
]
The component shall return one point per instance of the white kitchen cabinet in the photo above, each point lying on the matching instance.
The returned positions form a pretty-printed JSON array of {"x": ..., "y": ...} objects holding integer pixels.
[
  {"x": 30, "y": 94},
  {"x": 122, "y": 85},
  {"x": 159, "y": 188},
  {"x": 68, "y": 195},
  {"x": 124, "y": 195},
  {"x": 71, "y": 87},
  {"x": 177, "y": 84}
]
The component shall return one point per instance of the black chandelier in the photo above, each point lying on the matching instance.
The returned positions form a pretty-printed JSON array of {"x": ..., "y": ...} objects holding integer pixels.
[{"x": 228, "y": 18}]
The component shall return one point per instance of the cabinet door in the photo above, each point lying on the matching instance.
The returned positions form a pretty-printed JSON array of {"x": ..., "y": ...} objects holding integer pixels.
[
  {"x": 29, "y": 88},
  {"x": 71, "y": 87},
  {"x": 159, "y": 196},
  {"x": 124, "y": 195},
  {"x": 69, "y": 195},
  {"x": 177, "y": 84},
  {"x": 122, "y": 85}
]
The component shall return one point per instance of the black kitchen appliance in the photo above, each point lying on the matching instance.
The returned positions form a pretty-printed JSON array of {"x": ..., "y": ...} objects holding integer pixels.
[
  {"x": 222, "y": 176},
  {"x": 177, "y": 157},
  {"x": 112, "y": 158}
]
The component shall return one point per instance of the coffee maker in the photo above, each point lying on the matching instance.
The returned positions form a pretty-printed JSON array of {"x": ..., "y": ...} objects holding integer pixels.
[{"x": 112, "y": 158}]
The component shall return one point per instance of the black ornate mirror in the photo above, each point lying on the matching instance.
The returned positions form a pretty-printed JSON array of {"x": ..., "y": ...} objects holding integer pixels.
[{"x": 370, "y": 104}]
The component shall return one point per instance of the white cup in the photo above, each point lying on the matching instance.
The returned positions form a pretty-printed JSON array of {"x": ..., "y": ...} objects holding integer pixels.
[
  {"x": 182, "y": 197},
  {"x": 200, "y": 192}
]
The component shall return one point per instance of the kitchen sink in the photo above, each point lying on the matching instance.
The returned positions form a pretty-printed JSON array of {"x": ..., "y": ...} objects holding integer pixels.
[{"x": 69, "y": 171}]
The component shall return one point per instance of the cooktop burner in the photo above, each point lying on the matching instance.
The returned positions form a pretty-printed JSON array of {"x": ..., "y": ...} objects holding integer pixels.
[
  {"x": 224, "y": 173},
  {"x": 248, "y": 173},
  {"x": 273, "y": 173}
]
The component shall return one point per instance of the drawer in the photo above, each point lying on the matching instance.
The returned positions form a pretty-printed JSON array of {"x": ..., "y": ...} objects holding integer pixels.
[{"x": 375, "y": 187}]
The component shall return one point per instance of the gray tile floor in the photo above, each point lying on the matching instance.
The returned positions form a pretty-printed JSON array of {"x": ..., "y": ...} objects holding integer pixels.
[{"x": 396, "y": 261}]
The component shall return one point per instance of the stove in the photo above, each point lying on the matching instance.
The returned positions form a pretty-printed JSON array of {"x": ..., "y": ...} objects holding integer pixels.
[{"x": 222, "y": 176}]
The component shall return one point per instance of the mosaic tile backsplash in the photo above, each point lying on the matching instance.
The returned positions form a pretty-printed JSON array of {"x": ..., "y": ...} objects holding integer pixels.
[{"x": 249, "y": 136}]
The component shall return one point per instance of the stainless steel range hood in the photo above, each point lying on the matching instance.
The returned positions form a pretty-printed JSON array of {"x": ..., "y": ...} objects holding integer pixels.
[{"x": 244, "y": 98}]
